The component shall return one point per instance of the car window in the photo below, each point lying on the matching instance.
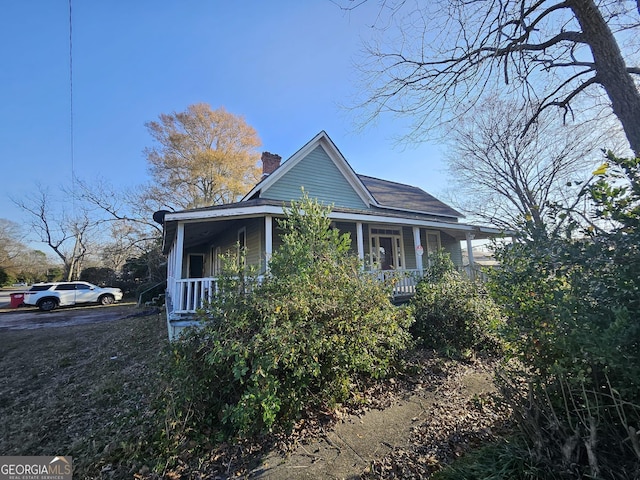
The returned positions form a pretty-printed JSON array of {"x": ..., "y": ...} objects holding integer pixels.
[
  {"x": 39, "y": 288},
  {"x": 82, "y": 286},
  {"x": 66, "y": 286}
]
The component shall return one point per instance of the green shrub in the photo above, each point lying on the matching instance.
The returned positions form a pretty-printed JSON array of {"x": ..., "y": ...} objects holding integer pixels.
[
  {"x": 99, "y": 275},
  {"x": 451, "y": 312},
  {"x": 4, "y": 277},
  {"x": 312, "y": 335},
  {"x": 573, "y": 307}
]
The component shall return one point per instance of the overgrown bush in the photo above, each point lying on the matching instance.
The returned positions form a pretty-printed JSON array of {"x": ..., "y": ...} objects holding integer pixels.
[
  {"x": 313, "y": 334},
  {"x": 573, "y": 307},
  {"x": 99, "y": 275},
  {"x": 5, "y": 277},
  {"x": 452, "y": 313}
]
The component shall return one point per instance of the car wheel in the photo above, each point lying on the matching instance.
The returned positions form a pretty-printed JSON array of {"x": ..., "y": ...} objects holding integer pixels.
[
  {"x": 107, "y": 300},
  {"x": 47, "y": 304}
]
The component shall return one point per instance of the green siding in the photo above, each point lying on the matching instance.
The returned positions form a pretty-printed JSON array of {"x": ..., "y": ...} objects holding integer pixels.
[
  {"x": 320, "y": 178},
  {"x": 256, "y": 243},
  {"x": 452, "y": 246},
  {"x": 227, "y": 241},
  {"x": 255, "y": 252},
  {"x": 277, "y": 236}
]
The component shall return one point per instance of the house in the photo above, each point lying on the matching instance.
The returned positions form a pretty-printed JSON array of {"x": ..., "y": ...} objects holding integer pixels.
[{"x": 394, "y": 227}]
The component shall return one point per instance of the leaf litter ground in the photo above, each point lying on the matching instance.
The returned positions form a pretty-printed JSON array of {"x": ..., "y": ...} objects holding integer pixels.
[{"x": 89, "y": 391}]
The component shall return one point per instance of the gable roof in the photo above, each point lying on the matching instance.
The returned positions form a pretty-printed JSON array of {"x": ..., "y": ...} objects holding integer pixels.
[
  {"x": 320, "y": 140},
  {"x": 399, "y": 196},
  {"x": 374, "y": 192}
]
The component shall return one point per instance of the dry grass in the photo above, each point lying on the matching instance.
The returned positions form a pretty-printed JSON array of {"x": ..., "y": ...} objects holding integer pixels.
[
  {"x": 92, "y": 391},
  {"x": 85, "y": 391}
]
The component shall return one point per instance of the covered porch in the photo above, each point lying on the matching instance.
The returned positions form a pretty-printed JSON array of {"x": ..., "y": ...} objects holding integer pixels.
[{"x": 394, "y": 250}]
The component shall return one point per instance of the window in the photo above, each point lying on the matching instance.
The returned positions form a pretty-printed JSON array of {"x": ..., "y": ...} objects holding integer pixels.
[
  {"x": 433, "y": 242},
  {"x": 66, "y": 286},
  {"x": 242, "y": 246},
  {"x": 387, "y": 252},
  {"x": 216, "y": 261}
]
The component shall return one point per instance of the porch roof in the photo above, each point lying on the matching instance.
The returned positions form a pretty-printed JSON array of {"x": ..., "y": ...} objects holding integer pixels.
[{"x": 201, "y": 220}]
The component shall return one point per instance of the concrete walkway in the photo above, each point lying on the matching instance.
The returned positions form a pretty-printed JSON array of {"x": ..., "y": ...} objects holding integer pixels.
[
  {"x": 348, "y": 449},
  {"x": 352, "y": 445}
]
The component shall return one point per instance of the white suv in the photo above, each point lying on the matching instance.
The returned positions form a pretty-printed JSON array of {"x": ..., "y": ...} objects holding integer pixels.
[{"x": 47, "y": 296}]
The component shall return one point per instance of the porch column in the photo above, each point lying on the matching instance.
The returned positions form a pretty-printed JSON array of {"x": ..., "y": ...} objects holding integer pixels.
[
  {"x": 419, "y": 248},
  {"x": 178, "y": 254},
  {"x": 179, "y": 250},
  {"x": 360, "y": 241},
  {"x": 170, "y": 266},
  {"x": 268, "y": 240},
  {"x": 472, "y": 263}
]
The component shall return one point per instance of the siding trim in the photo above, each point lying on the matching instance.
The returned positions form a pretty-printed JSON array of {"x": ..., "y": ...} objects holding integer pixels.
[{"x": 239, "y": 213}]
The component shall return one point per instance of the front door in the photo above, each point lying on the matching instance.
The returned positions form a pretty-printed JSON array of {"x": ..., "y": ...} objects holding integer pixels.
[
  {"x": 386, "y": 249},
  {"x": 196, "y": 266}
]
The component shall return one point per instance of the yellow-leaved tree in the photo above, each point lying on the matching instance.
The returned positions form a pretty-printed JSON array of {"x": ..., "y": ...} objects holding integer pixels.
[{"x": 202, "y": 157}]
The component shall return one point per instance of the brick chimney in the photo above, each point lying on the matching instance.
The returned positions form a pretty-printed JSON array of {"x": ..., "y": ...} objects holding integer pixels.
[{"x": 270, "y": 161}]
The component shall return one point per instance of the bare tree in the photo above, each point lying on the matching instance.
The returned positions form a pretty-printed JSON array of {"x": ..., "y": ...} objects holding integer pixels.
[
  {"x": 19, "y": 260},
  {"x": 510, "y": 178},
  {"x": 128, "y": 241},
  {"x": 203, "y": 157},
  {"x": 443, "y": 54},
  {"x": 67, "y": 234},
  {"x": 127, "y": 215},
  {"x": 130, "y": 211},
  {"x": 11, "y": 242}
]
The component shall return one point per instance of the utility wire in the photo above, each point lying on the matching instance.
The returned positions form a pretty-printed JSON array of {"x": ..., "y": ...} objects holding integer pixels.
[{"x": 73, "y": 174}]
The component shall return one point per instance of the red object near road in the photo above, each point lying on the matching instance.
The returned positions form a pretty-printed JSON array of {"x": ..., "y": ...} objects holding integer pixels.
[{"x": 17, "y": 299}]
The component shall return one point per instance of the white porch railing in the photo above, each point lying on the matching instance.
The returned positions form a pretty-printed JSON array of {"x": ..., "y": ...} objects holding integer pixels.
[
  {"x": 403, "y": 282},
  {"x": 190, "y": 294},
  {"x": 186, "y": 295}
]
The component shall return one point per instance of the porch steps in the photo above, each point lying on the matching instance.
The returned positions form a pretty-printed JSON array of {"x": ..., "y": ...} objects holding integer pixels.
[{"x": 157, "y": 301}]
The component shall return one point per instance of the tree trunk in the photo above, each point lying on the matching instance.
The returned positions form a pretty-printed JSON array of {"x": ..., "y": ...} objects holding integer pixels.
[{"x": 611, "y": 69}]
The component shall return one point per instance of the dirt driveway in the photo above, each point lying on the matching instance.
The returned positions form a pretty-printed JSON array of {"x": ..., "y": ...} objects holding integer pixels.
[{"x": 26, "y": 318}]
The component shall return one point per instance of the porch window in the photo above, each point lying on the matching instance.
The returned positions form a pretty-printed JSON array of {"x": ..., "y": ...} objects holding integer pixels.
[
  {"x": 387, "y": 251},
  {"x": 216, "y": 261},
  {"x": 242, "y": 245},
  {"x": 433, "y": 242}
]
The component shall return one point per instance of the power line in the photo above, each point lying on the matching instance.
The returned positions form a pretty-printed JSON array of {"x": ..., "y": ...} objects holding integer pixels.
[{"x": 73, "y": 174}]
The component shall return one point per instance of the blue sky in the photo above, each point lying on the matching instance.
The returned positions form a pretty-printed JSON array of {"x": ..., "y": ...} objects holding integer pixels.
[{"x": 286, "y": 66}]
